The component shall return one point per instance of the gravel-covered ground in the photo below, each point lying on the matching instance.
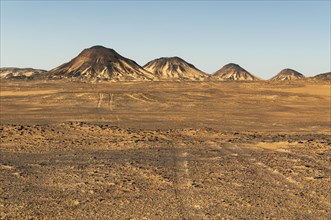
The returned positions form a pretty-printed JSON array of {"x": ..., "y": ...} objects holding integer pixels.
[{"x": 236, "y": 151}]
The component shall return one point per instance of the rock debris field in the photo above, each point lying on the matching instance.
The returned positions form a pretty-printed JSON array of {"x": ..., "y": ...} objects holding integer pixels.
[{"x": 165, "y": 150}]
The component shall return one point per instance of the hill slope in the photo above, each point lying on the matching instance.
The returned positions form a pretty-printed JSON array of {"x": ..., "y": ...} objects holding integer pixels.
[
  {"x": 323, "y": 76},
  {"x": 233, "y": 71},
  {"x": 100, "y": 63},
  {"x": 174, "y": 68},
  {"x": 288, "y": 74},
  {"x": 20, "y": 73}
]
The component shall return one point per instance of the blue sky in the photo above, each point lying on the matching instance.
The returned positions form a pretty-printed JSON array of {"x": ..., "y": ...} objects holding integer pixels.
[{"x": 261, "y": 36}]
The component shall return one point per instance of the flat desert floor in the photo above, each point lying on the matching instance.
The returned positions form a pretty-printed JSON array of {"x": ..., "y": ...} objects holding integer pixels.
[{"x": 165, "y": 150}]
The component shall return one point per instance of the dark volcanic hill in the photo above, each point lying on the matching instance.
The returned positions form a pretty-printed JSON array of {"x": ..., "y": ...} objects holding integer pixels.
[
  {"x": 174, "y": 68},
  {"x": 100, "y": 63},
  {"x": 288, "y": 74},
  {"x": 20, "y": 73},
  {"x": 323, "y": 76},
  {"x": 233, "y": 71}
]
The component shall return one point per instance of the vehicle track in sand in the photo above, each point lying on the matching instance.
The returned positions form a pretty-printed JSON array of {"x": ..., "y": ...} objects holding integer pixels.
[
  {"x": 250, "y": 159},
  {"x": 188, "y": 201}
]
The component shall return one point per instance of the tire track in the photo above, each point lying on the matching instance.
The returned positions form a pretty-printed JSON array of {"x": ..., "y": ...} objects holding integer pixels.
[
  {"x": 248, "y": 158},
  {"x": 99, "y": 103},
  {"x": 182, "y": 211},
  {"x": 189, "y": 208},
  {"x": 111, "y": 105},
  {"x": 100, "y": 97},
  {"x": 140, "y": 97}
]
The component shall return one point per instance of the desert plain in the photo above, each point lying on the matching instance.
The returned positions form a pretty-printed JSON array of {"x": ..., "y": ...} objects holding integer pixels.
[{"x": 165, "y": 150}]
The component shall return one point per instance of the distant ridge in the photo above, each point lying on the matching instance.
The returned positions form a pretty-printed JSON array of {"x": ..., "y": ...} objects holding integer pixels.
[
  {"x": 288, "y": 74},
  {"x": 233, "y": 71},
  {"x": 174, "y": 68},
  {"x": 101, "y": 63},
  {"x": 323, "y": 76},
  {"x": 20, "y": 73}
]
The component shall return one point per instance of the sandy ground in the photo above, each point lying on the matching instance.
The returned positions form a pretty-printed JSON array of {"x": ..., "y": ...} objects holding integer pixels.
[{"x": 162, "y": 150}]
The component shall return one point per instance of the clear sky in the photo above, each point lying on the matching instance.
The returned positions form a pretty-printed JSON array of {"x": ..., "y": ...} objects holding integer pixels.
[{"x": 261, "y": 36}]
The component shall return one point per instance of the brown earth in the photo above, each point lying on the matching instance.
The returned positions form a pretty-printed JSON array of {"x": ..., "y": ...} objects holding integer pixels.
[{"x": 165, "y": 150}]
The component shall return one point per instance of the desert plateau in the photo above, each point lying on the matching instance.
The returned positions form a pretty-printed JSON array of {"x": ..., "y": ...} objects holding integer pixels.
[
  {"x": 165, "y": 110},
  {"x": 165, "y": 150}
]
